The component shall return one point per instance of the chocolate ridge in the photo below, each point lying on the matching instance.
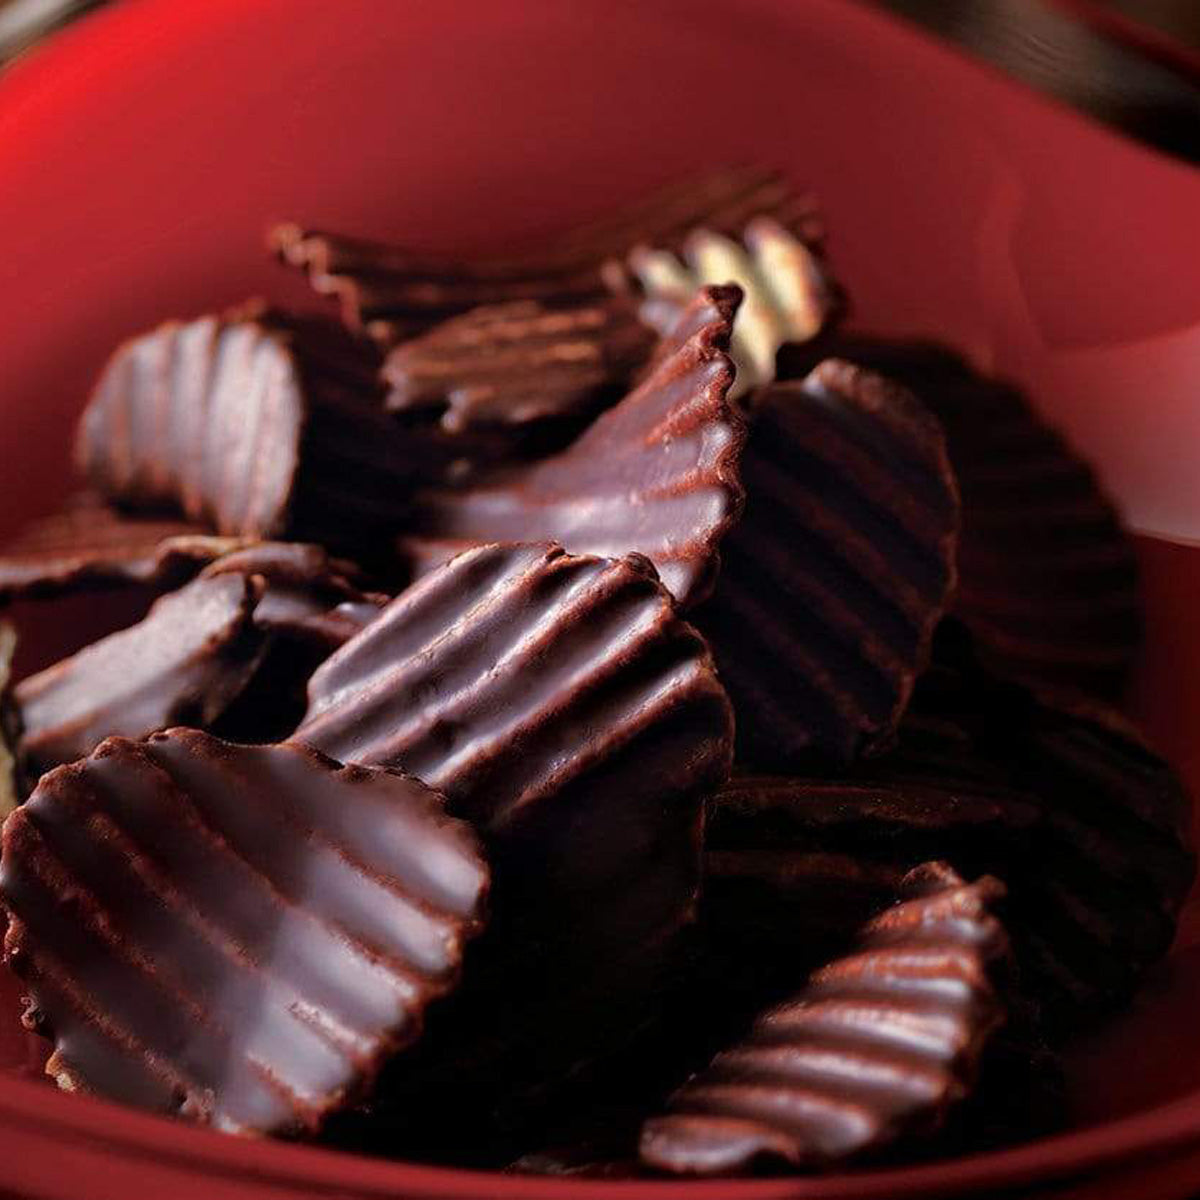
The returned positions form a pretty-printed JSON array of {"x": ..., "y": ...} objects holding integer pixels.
[
  {"x": 656, "y": 474},
  {"x": 880, "y": 1044},
  {"x": 166, "y": 990},
  {"x": 839, "y": 570}
]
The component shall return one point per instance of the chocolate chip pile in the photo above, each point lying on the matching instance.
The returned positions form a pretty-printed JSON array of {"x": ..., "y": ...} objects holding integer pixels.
[{"x": 595, "y": 716}]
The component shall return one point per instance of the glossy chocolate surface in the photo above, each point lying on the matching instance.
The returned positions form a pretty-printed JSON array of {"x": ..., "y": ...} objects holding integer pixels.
[
  {"x": 882, "y": 1042},
  {"x": 656, "y": 474},
  {"x": 309, "y": 596},
  {"x": 517, "y": 672},
  {"x": 839, "y": 570},
  {"x": 256, "y": 422},
  {"x": 522, "y": 367},
  {"x": 236, "y": 936},
  {"x": 184, "y": 662}
]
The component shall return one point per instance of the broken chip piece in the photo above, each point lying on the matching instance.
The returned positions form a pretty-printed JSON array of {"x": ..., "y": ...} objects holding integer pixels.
[
  {"x": 241, "y": 937},
  {"x": 309, "y": 597},
  {"x": 882, "y": 1043},
  {"x": 184, "y": 662},
  {"x": 656, "y": 474}
]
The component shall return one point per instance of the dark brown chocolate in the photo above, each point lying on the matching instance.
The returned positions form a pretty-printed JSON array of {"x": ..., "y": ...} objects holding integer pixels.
[
  {"x": 256, "y": 422},
  {"x": 794, "y": 865},
  {"x": 89, "y": 545},
  {"x": 841, "y": 567},
  {"x": 523, "y": 370},
  {"x": 184, "y": 662},
  {"x": 395, "y": 293},
  {"x": 561, "y": 705},
  {"x": 1097, "y": 896},
  {"x": 237, "y": 936},
  {"x": 1048, "y": 580},
  {"x": 879, "y": 1046},
  {"x": 567, "y": 711},
  {"x": 657, "y": 474},
  {"x": 309, "y": 596}
]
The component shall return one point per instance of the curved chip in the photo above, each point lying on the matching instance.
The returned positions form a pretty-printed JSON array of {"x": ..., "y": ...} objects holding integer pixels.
[
  {"x": 1097, "y": 894},
  {"x": 879, "y": 1046},
  {"x": 841, "y": 567},
  {"x": 237, "y": 936},
  {"x": 395, "y": 293},
  {"x": 523, "y": 369},
  {"x": 657, "y": 474},
  {"x": 184, "y": 662},
  {"x": 566, "y": 710},
  {"x": 788, "y": 297},
  {"x": 258, "y": 423},
  {"x": 89, "y": 545},
  {"x": 1048, "y": 578}
]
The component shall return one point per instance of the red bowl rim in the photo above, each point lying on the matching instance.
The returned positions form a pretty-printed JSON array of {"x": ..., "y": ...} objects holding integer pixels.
[{"x": 33, "y": 1107}]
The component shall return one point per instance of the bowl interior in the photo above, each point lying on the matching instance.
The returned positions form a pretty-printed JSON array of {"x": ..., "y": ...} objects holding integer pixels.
[{"x": 145, "y": 151}]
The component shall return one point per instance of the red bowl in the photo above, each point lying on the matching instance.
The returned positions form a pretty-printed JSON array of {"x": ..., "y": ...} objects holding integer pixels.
[{"x": 143, "y": 153}]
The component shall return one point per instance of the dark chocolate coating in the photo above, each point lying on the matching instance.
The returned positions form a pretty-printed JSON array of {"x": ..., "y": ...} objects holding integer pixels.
[
  {"x": 1048, "y": 580},
  {"x": 839, "y": 570},
  {"x": 567, "y": 711},
  {"x": 89, "y": 545},
  {"x": 185, "y": 661},
  {"x": 657, "y": 474},
  {"x": 1097, "y": 895},
  {"x": 311, "y": 605},
  {"x": 238, "y": 936},
  {"x": 880, "y": 1045},
  {"x": 394, "y": 293},
  {"x": 309, "y": 596},
  {"x": 522, "y": 368},
  {"x": 515, "y": 675},
  {"x": 794, "y": 865},
  {"x": 258, "y": 423},
  {"x": 1058, "y": 797}
]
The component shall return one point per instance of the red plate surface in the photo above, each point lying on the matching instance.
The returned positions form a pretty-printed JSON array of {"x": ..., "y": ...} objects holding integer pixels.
[{"x": 143, "y": 152}]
